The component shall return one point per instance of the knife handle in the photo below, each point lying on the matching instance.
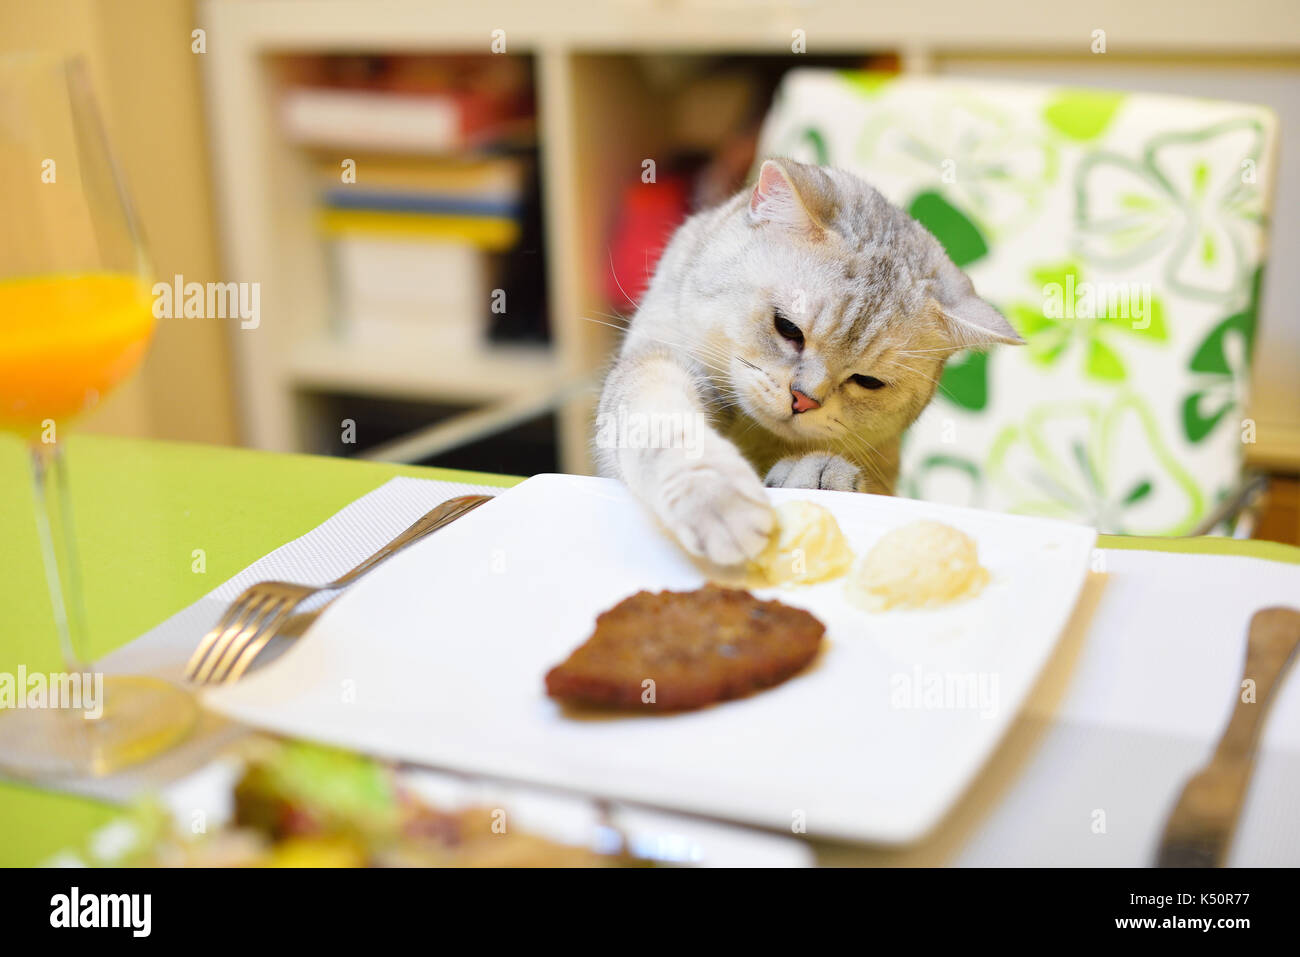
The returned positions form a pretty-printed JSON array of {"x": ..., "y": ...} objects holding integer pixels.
[
  {"x": 1274, "y": 636},
  {"x": 1199, "y": 830}
]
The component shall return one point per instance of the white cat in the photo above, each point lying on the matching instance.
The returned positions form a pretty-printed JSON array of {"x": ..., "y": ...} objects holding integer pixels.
[{"x": 793, "y": 332}]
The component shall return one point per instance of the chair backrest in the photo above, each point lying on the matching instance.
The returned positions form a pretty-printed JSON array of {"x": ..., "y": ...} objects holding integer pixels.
[{"x": 1122, "y": 234}]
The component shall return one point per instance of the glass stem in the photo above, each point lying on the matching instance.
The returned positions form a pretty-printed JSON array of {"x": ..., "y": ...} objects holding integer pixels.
[{"x": 58, "y": 550}]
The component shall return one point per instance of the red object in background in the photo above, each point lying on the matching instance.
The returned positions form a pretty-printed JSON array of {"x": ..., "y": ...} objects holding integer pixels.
[{"x": 647, "y": 216}]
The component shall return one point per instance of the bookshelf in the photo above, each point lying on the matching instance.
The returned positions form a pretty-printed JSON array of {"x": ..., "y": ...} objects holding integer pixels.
[{"x": 598, "y": 118}]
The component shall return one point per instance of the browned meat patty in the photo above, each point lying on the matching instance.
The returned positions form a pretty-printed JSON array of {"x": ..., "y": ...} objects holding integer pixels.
[{"x": 698, "y": 647}]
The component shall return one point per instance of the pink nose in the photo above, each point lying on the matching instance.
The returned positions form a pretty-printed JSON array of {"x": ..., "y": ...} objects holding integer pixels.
[{"x": 802, "y": 402}]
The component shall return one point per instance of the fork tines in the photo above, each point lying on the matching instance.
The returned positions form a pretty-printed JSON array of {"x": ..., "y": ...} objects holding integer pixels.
[{"x": 246, "y": 627}]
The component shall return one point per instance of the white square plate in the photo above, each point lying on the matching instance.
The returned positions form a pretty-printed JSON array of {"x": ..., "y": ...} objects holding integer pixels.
[{"x": 438, "y": 658}]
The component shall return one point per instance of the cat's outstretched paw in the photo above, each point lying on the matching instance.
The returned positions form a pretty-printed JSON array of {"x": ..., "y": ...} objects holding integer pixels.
[
  {"x": 717, "y": 509},
  {"x": 817, "y": 470}
]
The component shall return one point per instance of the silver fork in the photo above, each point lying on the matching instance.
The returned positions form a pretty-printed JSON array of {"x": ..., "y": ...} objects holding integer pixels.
[{"x": 257, "y": 615}]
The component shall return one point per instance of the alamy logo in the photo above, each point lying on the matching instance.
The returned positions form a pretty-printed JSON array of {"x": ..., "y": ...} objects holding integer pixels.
[
  {"x": 68, "y": 691},
  {"x": 622, "y": 429},
  {"x": 212, "y": 300},
  {"x": 923, "y": 690},
  {"x": 74, "y": 909},
  {"x": 1097, "y": 300}
]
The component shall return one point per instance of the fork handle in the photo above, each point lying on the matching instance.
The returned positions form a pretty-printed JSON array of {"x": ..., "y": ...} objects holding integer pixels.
[{"x": 443, "y": 514}]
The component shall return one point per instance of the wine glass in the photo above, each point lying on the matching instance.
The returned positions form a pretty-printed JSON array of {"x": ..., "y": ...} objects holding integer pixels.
[{"x": 75, "y": 319}]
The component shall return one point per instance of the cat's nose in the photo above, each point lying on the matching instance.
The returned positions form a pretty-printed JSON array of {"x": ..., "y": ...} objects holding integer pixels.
[{"x": 803, "y": 402}]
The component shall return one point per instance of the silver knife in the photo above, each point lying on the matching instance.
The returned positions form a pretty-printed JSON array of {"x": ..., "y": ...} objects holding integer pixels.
[{"x": 1199, "y": 830}]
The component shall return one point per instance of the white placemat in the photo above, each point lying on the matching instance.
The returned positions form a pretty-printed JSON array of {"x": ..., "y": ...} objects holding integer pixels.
[
  {"x": 1148, "y": 688},
  {"x": 327, "y": 551},
  {"x": 331, "y": 548}
]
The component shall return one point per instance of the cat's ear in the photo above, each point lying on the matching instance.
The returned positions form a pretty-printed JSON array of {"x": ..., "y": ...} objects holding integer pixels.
[
  {"x": 971, "y": 322},
  {"x": 790, "y": 195}
]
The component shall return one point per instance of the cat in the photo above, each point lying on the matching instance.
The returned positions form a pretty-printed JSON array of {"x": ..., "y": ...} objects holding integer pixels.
[{"x": 794, "y": 333}]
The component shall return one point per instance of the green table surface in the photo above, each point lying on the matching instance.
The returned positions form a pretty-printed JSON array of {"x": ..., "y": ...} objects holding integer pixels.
[{"x": 142, "y": 509}]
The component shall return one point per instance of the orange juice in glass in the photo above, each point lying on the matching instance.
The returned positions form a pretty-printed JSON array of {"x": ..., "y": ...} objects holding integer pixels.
[
  {"x": 75, "y": 319},
  {"x": 66, "y": 340}
]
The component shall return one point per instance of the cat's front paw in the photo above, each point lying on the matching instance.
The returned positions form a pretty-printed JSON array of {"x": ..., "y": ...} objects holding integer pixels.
[
  {"x": 717, "y": 509},
  {"x": 817, "y": 470}
]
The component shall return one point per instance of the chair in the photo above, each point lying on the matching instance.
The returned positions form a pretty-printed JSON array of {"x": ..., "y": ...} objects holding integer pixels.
[{"x": 1123, "y": 234}]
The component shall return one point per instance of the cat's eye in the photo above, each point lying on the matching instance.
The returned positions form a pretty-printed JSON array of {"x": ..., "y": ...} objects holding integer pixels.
[
  {"x": 788, "y": 329},
  {"x": 867, "y": 381}
]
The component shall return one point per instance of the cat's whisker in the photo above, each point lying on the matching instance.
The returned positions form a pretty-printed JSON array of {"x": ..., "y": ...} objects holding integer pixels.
[
  {"x": 867, "y": 461},
  {"x": 858, "y": 456},
  {"x": 923, "y": 352},
  {"x": 685, "y": 347},
  {"x": 846, "y": 447},
  {"x": 759, "y": 369},
  {"x": 891, "y": 361},
  {"x": 614, "y": 273},
  {"x": 602, "y": 322},
  {"x": 934, "y": 380},
  {"x": 916, "y": 372},
  {"x": 697, "y": 349},
  {"x": 877, "y": 473}
]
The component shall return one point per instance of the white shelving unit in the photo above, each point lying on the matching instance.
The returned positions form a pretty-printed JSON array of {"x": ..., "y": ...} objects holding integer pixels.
[
  {"x": 597, "y": 121},
  {"x": 491, "y": 374}
]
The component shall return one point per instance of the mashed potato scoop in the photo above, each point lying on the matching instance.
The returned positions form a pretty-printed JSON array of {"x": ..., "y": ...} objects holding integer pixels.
[
  {"x": 917, "y": 565},
  {"x": 807, "y": 546}
]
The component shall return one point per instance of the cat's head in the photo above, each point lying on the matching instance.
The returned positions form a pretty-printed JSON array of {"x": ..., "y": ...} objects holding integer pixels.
[{"x": 840, "y": 309}]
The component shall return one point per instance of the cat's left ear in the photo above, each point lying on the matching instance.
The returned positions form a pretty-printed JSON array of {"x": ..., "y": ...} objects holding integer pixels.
[
  {"x": 790, "y": 195},
  {"x": 971, "y": 321}
]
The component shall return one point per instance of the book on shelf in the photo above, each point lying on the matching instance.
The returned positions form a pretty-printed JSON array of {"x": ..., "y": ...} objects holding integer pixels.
[
  {"x": 486, "y": 233},
  {"x": 418, "y": 241},
  {"x": 430, "y": 123},
  {"x": 413, "y": 243},
  {"x": 499, "y": 178},
  {"x": 474, "y": 202},
  {"x": 425, "y": 175},
  {"x": 423, "y": 295}
]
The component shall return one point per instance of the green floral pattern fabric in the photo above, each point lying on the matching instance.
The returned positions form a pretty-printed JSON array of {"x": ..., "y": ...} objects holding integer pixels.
[
  {"x": 1122, "y": 234},
  {"x": 1054, "y": 325}
]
